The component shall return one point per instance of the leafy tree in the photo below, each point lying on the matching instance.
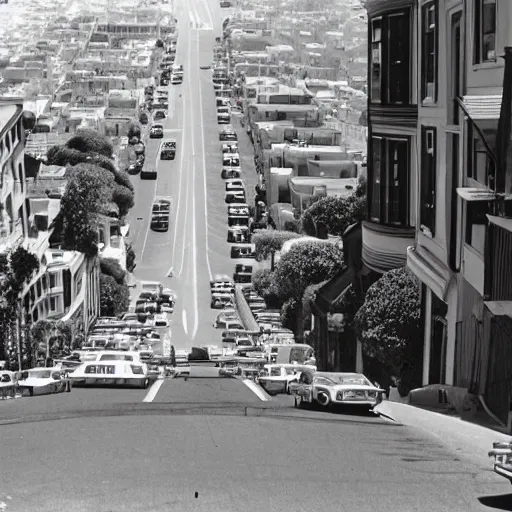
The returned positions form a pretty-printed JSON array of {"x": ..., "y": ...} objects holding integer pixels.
[
  {"x": 134, "y": 130},
  {"x": 110, "y": 267},
  {"x": 130, "y": 259},
  {"x": 90, "y": 141},
  {"x": 289, "y": 312},
  {"x": 159, "y": 43},
  {"x": 23, "y": 264},
  {"x": 268, "y": 242},
  {"x": 49, "y": 337},
  {"x": 390, "y": 328},
  {"x": 305, "y": 264},
  {"x": 124, "y": 199},
  {"x": 28, "y": 120},
  {"x": 114, "y": 297},
  {"x": 335, "y": 212},
  {"x": 263, "y": 282},
  {"x": 88, "y": 190},
  {"x": 143, "y": 118}
]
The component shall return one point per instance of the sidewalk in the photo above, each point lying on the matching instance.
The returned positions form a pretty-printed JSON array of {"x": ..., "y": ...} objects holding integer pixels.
[{"x": 466, "y": 438}]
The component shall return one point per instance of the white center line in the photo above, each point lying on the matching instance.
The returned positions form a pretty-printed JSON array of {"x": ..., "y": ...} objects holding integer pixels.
[
  {"x": 153, "y": 390},
  {"x": 256, "y": 389}
]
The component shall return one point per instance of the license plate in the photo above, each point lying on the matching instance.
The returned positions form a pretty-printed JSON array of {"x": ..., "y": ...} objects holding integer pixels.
[{"x": 355, "y": 395}]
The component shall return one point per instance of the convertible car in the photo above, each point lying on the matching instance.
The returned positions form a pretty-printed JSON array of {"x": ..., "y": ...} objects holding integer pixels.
[{"x": 326, "y": 389}]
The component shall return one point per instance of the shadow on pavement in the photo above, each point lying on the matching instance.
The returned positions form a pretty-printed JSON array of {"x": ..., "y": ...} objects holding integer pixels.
[{"x": 500, "y": 502}]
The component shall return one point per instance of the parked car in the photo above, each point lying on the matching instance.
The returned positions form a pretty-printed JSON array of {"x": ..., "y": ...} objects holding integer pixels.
[
  {"x": 156, "y": 131},
  {"x": 230, "y": 172},
  {"x": 243, "y": 273},
  {"x": 148, "y": 173},
  {"x": 329, "y": 388},
  {"x": 243, "y": 251},
  {"x": 230, "y": 160},
  {"x": 228, "y": 134},
  {"x": 235, "y": 184},
  {"x": 160, "y": 213},
  {"x": 222, "y": 301},
  {"x": 238, "y": 235},
  {"x": 135, "y": 167},
  {"x": 168, "y": 150}
]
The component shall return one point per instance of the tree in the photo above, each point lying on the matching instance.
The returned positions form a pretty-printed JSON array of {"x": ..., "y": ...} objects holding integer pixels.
[
  {"x": 49, "y": 337},
  {"x": 159, "y": 43},
  {"x": 305, "y": 264},
  {"x": 90, "y": 141},
  {"x": 263, "y": 282},
  {"x": 114, "y": 297},
  {"x": 268, "y": 241},
  {"x": 134, "y": 130},
  {"x": 110, "y": 267},
  {"x": 28, "y": 120},
  {"x": 23, "y": 264},
  {"x": 88, "y": 191},
  {"x": 124, "y": 199},
  {"x": 390, "y": 328},
  {"x": 335, "y": 212}
]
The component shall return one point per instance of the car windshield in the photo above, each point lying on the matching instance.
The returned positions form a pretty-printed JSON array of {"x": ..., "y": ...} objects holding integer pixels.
[
  {"x": 42, "y": 374},
  {"x": 342, "y": 379}
]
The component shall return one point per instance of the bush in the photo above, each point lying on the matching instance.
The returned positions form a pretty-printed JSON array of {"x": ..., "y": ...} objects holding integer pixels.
[
  {"x": 289, "y": 312},
  {"x": 110, "y": 267},
  {"x": 23, "y": 264},
  {"x": 124, "y": 199},
  {"x": 123, "y": 178},
  {"x": 335, "y": 212},
  {"x": 90, "y": 141},
  {"x": 305, "y": 264},
  {"x": 134, "y": 130},
  {"x": 268, "y": 241},
  {"x": 390, "y": 328},
  {"x": 28, "y": 120},
  {"x": 159, "y": 43},
  {"x": 114, "y": 297},
  {"x": 87, "y": 192},
  {"x": 263, "y": 282}
]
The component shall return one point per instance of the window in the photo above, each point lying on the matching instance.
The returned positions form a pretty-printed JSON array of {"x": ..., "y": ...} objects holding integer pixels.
[
  {"x": 485, "y": 31},
  {"x": 376, "y": 60},
  {"x": 429, "y": 52},
  {"x": 390, "y": 59},
  {"x": 389, "y": 181},
  {"x": 481, "y": 166},
  {"x": 428, "y": 179},
  {"x": 53, "y": 280},
  {"x": 54, "y": 302}
]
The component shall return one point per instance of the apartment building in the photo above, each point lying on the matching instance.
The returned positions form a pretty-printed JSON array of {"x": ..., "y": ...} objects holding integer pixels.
[{"x": 438, "y": 183}]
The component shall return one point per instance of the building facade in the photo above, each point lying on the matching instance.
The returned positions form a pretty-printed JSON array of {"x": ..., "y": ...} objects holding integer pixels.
[{"x": 435, "y": 178}]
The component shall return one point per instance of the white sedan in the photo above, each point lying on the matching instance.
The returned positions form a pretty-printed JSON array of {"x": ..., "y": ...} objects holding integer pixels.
[
  {"x": 276, "y": 379},
  {"x": 43, "y": 381},
  {"x": 328, "y": 388}
]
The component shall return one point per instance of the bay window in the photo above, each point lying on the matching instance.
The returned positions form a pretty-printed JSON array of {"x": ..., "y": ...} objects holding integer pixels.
[
  {"x": 388, "y": 178},
  {"x": 429, "y": 52},
  {"x": 390, "y": 66}
]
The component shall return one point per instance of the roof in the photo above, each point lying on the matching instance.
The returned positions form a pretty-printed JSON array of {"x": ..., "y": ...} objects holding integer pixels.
[
  {"x": 483, "y": 106},
  {"x": 38, "y": 143},
  {"x": 274, "y": 107}
]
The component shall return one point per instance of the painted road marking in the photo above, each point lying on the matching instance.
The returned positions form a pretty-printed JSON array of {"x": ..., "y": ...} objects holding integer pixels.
[
  {"x": 184, "y": 321},
  {"x": 256, "y": 389},
  {"x": 205, "y": 186},
  {"x": 153, "y": 390}
]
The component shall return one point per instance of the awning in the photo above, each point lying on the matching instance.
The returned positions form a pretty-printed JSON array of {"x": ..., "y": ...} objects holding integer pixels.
[
  {"x": 499, "y": 307},
  {"x": 501, "y": 222},
  {"x": 429, "y": 270},
  {"x": 330, "y": 292},
  {"x": 473, "y": 194},
  {"x": 483, "y": 107}
]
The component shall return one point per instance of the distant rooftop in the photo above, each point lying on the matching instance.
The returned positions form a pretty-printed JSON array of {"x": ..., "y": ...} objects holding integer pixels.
[{"x": 37, "y": 144}]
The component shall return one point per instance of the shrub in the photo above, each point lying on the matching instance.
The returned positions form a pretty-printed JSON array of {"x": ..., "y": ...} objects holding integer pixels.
[
  {"x": 110, "y": 267},
  {"x": 87, "y": 192},
  {"x": 28, "y": 120},
  {"x": 134, "y": 130},
  {"x": 289, "y": 311},
  {"x": 390, "y": 328},
  {"x": 90, "y": 141},
  {"x": 305, "y": 264},
  {"x": 114, "y": 297},
  {"x": 263, "y": 282},
  {"x": 335, "y": 212},
  {"x": 124, "y": 199},
  {"x": 268, "y": 241}
]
